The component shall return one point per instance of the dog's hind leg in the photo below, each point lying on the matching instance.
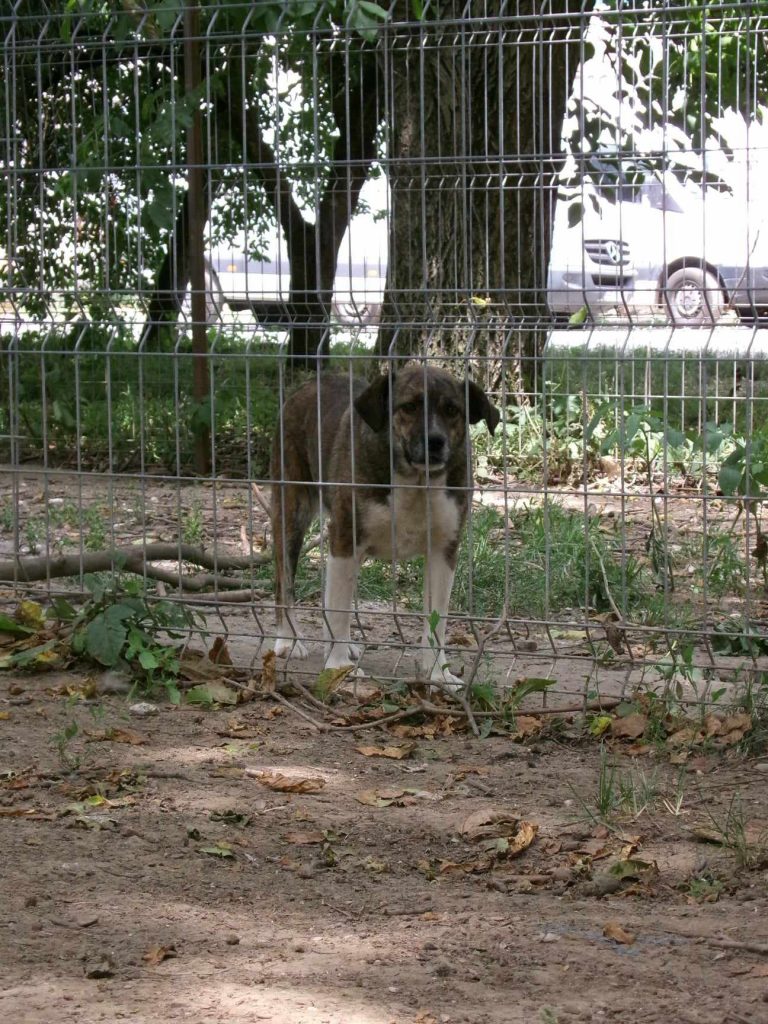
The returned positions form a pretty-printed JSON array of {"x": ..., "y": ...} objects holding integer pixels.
[
  {"x": 292, "y": 508},
  {"x": 438, "y": 583}
]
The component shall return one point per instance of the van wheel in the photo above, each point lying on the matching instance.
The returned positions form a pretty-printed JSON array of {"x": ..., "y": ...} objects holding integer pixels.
[{"x": 693, "y": 297}]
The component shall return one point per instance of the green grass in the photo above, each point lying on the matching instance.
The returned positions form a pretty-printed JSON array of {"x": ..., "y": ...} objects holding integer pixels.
[
  {"x": 92, "y": 394},
  {"x": 546, "y": 562}
]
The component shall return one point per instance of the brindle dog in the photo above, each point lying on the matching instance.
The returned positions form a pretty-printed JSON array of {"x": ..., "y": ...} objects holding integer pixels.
[{"x": 391, "y": 464}]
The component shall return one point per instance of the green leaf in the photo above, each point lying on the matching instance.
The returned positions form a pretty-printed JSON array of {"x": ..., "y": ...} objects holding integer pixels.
[
  {"x": 105, "y": 635},
  {"x": 8, "y": 625},
  {"x": 575, "y": 214},
  {"x": 579, "y": 317},
  {"x": 729, "y": 479},
  {"x": 528, "y": 686},
  {"x": 222, "y": 850},
  {"x": 633, "y": 867},
  {"x": 62, "y": 609},
  {"x": 147, "y": 660},
  {"x": 211, "y": 693}
]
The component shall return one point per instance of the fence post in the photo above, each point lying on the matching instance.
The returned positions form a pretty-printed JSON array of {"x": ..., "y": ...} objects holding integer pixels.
[{"x": 201, "y": 378}]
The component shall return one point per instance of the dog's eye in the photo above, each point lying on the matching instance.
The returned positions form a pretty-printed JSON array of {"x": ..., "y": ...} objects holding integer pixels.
[
  {"x": 409, "y": 407},
  {"x": 451, "y": 410}
]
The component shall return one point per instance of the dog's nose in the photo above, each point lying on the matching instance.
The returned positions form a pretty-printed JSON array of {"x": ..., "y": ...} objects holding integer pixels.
[{"x": 436, "y": 447}]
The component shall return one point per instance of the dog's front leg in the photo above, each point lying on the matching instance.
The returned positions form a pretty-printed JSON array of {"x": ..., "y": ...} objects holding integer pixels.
[
  {"x": 438, "y": 583},
  {"x": 340, "y": 581}
]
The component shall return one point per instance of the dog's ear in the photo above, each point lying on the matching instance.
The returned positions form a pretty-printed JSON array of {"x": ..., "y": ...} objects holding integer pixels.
[
  {"x": 479, "y": 408},
  {"x": 373, "y": 404}
]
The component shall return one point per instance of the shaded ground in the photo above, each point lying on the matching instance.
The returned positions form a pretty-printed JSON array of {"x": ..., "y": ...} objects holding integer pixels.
[{"x": 317, "y": 907}]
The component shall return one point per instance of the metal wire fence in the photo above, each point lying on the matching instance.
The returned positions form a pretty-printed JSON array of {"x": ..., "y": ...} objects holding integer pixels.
[{"x": 203, "y": 206}]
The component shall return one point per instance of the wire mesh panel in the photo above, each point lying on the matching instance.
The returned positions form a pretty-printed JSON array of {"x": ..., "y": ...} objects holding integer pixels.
[{"x": 534, "y": 230}]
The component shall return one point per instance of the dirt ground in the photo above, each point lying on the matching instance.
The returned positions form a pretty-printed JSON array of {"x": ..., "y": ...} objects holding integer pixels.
[
  {"x": 157, "y": 876},
  {"x": 153, "y": 873}
]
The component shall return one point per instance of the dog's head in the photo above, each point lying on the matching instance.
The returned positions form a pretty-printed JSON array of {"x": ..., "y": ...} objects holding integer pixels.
[{"x": 427, "y": 411}]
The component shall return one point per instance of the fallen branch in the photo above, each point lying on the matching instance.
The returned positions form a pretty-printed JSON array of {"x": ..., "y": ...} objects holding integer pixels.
[
  {"x": 230, "y": 597},
  {"x": 134, "y": 559},
  {"x": 761, "y": 948}
]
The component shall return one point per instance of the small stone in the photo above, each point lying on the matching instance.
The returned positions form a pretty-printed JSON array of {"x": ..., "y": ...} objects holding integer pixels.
[
  {"x": 306, "y": 871},
  {"x": 232, "y": 940},
  {"x": 143, "y": 709},
  {"x": 30, "y": 901},
  {"x": 103, "y": 968},
  {"x": 762, "y": 767}
]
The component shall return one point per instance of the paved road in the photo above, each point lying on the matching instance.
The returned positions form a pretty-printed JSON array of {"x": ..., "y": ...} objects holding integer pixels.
[{"x": 736, "y": 339}]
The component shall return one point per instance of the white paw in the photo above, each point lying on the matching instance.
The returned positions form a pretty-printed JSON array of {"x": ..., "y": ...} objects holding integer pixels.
[
  {"x": 290, "y": 647},
  {"x": 442, "y": 679},
  {"x": 342, "y": 653}
]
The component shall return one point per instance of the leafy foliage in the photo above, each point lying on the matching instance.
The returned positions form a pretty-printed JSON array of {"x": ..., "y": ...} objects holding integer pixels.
[
  {"x": 100, "y": 116},
  {"x": 120, "y": 626}
]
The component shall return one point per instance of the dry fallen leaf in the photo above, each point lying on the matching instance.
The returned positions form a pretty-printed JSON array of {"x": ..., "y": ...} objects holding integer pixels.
[
  {"x": 18, "y": 812},
  {"x": 268, "y": 677},
  {"x": 116, "y": 735},
  {"x": 497, "y": 823},
  {"x": 404, "y": 797},
  {"x": 304, "y": 838},
  {"x": 427, "y": 731},
  {"x": 396, "y": 753},
  {"x": 461, "y": 640},
  {"x": 157, "y": 954},
  {"x": 526, "y": 725},
  {"x": 613, "y": 930},
  {"x": 5, "y": 716},
  {"x": 219, "y": 652},
  {"x": 287, "y": 784},
  {"x": 630, "y": 727},
  {"x": 734, "y": 728},
  {"x": 684, "y": 737},
  {"x": 237, "y": 728},
  {"x": 330, "y": 679},
  {"x": 476, "y": 866}
]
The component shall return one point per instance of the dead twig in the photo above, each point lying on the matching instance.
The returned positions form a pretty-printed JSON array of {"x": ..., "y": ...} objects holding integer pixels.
[
  {"x": 260, "y": 499},
  {"x": 320, "y": 726}
]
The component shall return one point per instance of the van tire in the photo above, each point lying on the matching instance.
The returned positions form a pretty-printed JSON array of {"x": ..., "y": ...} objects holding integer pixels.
[{"x": 693, "y": 297}]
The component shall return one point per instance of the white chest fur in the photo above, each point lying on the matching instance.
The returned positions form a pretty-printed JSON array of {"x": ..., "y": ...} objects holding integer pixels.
[{"x": 415, "y": 519}]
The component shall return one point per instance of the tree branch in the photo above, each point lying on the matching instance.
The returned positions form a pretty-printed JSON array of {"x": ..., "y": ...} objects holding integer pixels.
[{"x": 30, "y": 568}]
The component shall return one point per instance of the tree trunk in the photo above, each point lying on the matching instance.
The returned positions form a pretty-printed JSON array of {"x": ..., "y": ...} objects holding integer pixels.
[{"x": 477, "y": 105}]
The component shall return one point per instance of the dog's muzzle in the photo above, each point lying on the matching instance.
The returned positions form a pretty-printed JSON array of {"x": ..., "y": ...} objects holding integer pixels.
[{"x": 432, "y": 452}]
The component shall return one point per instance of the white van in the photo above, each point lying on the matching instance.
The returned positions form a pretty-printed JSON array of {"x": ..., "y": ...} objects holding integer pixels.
[
  {"x": 262, "y": 286},
  {"x": 663, "y": 248}
]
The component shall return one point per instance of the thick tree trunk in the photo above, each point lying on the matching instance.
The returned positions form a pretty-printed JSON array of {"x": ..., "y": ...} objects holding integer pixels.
[
  {"x": 313, "y": 247},
  {"x": 477, "y": 104}
]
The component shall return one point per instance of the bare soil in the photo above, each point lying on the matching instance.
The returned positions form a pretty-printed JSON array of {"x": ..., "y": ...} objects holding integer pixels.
[{"x": 161, "y": 880}]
